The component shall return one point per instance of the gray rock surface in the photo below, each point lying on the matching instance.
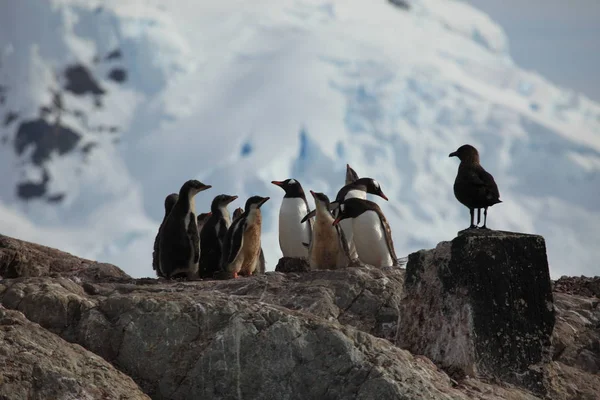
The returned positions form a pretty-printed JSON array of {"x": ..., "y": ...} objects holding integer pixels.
[
  {"x": 481, "y": 305},
  {"x": 38, "y": 365},
  {"x": 310, "y": 335}
]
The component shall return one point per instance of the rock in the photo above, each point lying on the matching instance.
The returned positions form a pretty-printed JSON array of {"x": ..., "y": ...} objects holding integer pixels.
[
  {"x": 36, "y": 364},
  {"x": 290, "y": 264},
  {"x": 481, "y": 305},
  {"x": 582, "y": 285},
  {"x": 313, "y": 335},
  {"x": 23, "y": 259}
]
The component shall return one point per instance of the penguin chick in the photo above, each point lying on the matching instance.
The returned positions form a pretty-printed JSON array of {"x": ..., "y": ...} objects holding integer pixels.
[
  {"x": 237, "y": 213},
  {"x": 474, "y": 187},
  {"x": 212, "y": 235},
  {"x": 326, "y": 244},
  {"x": 170, "y": 201},
  {"x": 372, "y": 233},
  {"x": 202, "y": 218},
  {"x": 179, "y": 250},
  {"x": 351, "y": 175},
  {"x": 241, "y": 246},
  {"x": 292, "y": 233}
]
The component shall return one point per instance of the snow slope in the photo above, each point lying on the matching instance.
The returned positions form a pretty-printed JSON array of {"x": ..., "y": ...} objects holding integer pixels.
[{"x": 151, "y": 93}]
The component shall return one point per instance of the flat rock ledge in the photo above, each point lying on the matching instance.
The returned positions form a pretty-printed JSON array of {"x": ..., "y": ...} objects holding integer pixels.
[{"x": 299, "y": 335}]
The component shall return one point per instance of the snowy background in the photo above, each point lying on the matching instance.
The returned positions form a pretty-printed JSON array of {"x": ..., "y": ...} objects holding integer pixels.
[{"x": 108, "y": 106}]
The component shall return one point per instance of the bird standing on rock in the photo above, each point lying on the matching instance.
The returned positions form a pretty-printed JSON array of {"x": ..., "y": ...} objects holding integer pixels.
[
  {"x": 474, "y": 187},
  {"x": 170, "y": 201},
  {"x": 242, "y": 245},
  {"x": 292, "y": 232},
  {"x": 179, "y": 250},
  {"x": 372, "y": 233},
  {"x": 212, "y": 235}
]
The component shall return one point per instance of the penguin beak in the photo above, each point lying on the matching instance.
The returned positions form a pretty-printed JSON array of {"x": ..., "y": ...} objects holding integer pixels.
[
  {"x": 453, "y": 154},
  {"x": 263, "y": 201},
  {"x": 336, "y": 221},
  {"x": 312, "y": 193},
  {"x": 384, "y": 196},
  {"x": 278, "y": 183},
  {"x": 231, "y": 199}
]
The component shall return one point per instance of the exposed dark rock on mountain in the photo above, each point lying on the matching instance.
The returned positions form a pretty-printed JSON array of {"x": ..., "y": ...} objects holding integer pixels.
[
  {"x": 45, "y": 138},
  {"x": 309, "y": 335},
  {"x": 80, "y": 81}
]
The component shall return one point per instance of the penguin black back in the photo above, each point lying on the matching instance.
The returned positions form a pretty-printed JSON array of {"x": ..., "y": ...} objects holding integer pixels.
[
  {"x": 179, "y": 250},
  {"x": 212, "y": 235},
  {"x": 474, "y": 187},
  {"x": 170, "y": 201}
]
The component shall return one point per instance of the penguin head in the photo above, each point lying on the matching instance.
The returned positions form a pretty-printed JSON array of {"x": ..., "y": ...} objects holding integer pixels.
[
  {"x": 466, "y": 153},
  {"x": 371, "y": 186},
  {"x": 255, "y": 202},
  {"x": 350, "y": 208},
  {"x": 291, "y": 186},
  {"x": 321, "y": 199},
  {"x": 221, "y": 201},
  {"x": 351, "y": 175},
  {"x": 202, "y": 218},
  {"x": 237, "y": 213},
  {"x": 170, "y": 201},
  {"x": 192, "y": 187}
]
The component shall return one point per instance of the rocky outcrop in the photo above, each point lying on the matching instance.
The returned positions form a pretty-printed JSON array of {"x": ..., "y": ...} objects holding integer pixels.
[
  {"x": 311, "y": 335},
  {"x": 36, "y": 364},
  {"x": 481, "y": 305}
]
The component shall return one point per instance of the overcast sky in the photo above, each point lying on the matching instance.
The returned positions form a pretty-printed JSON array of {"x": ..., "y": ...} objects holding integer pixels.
[{"x": 558, "y": 38}]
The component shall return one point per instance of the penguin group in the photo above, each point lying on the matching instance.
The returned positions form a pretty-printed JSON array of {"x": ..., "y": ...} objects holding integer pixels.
[{"x": 335, "y": 234}]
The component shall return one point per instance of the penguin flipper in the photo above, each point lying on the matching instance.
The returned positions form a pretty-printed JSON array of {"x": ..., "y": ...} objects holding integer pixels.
[
  {"x": 309, "y": 215},
  {"x": 343, "y": 242},
  {"x": 234, "y": 240}
]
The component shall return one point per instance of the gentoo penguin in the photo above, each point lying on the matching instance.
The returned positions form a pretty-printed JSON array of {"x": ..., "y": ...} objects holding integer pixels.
[
  {"x": 351, "y": 175},
  {"x": 237, "y": 213},
  {"x": 170, "y": 201},
  {"x": 474, "y": 187},
  {"x": 241, "y": 246},
  {"x": 212, "y": 235},
  {"x": 179, "y": 250},
  {"x": 292, "y": 233},
  {"x": 327, "y": 248},
  {"x": 372, "y": 233}
]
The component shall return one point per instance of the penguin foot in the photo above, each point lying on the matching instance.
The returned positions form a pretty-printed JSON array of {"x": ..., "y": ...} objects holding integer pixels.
[
  {"x": 235, "y": 275},
  {"x": 473, "y": 227},
  {"x": 483, "y": 227}
]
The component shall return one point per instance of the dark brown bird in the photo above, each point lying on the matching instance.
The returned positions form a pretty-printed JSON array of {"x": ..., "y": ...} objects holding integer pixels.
[{"x": 474, "y": 187}]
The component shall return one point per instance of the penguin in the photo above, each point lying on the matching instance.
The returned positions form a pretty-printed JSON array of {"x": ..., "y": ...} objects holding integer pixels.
[
  {"x": 212, "y": 234},
  {"x": 474, "y": 187},
  {"x": 237, "y": 213},
  {"x": 292, "y": 233},
  {"x": 327, "y": 249},
  {"x": 351, "y": 175},
  {"x": 170, "y": 201},
  {"x": 241, "y": 246},
  {"x": 372, "y": 233},
  {"x": 179, "y": 250},
  {"x": 202, "y": 218},
  {"x": 357, "y": 189}
]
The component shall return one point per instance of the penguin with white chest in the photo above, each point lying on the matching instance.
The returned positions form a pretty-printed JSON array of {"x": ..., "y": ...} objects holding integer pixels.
[
  {"x": 179, "y": 250},
  {"x": 170, "y": 201},
  {"x": 292, "y": 232},
  {"x": 242, "y": 245},
  {"x": 212, "y": 235},
  {"x": 328, "y": 248},
  {"x": 372, "y": 233}
]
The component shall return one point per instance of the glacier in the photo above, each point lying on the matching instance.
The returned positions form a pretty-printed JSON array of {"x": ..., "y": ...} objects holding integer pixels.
[{"x": 237, "y": 94}]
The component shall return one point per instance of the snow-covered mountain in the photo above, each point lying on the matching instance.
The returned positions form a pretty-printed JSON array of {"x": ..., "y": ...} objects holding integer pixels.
[{"x": 108, "y": 106}]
